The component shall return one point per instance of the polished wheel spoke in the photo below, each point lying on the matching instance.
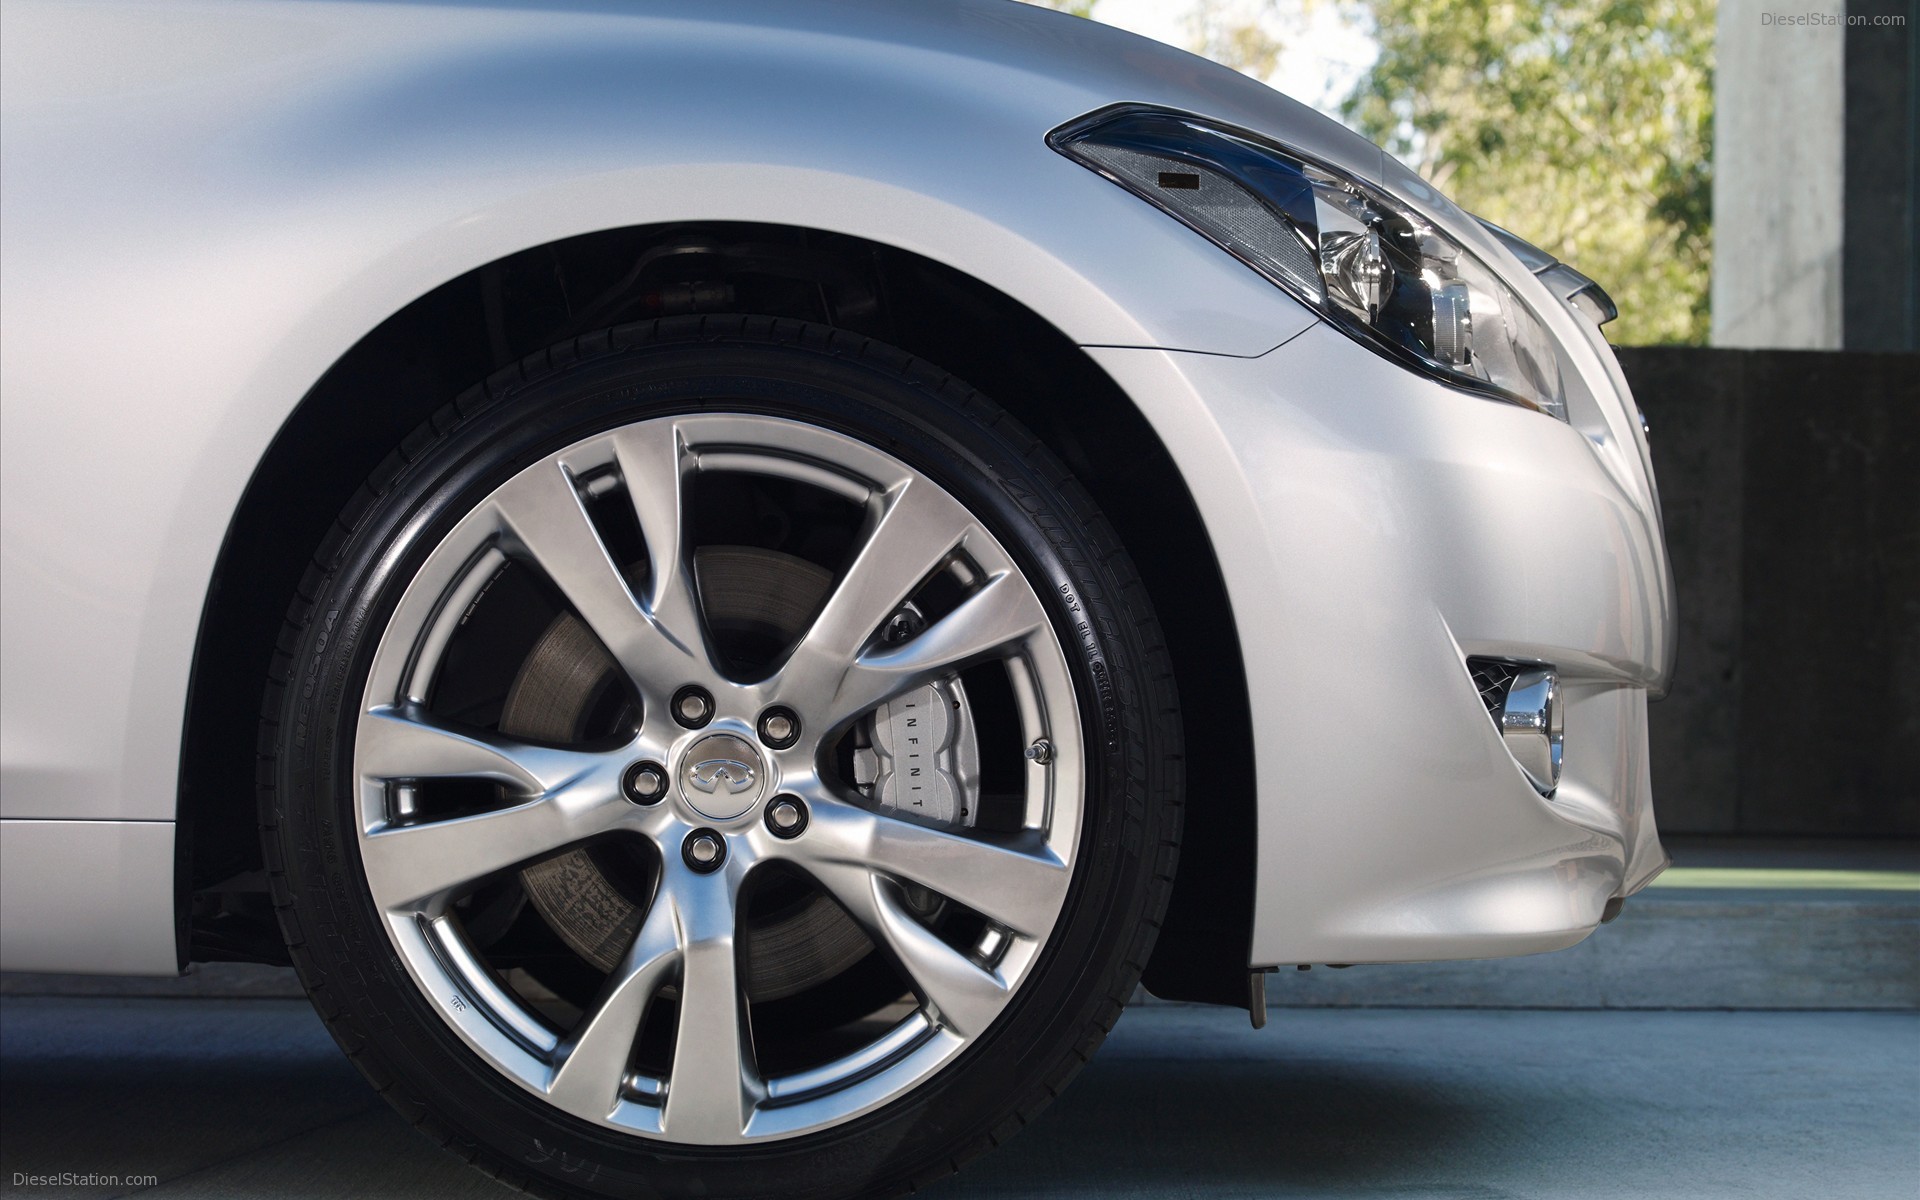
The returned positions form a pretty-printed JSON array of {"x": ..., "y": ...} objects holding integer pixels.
[
  {"x": 572, "y": 795},
  {"x": 964, "y": 995},
  {"x": 653, "y": 462},
  {"x": 409, "y": 865},
  {"x": 918, "y": 530},
  {"x": 407, "y": 742},
  {"x": 715, "y": 1084},
  {"x": 593, "y": 1060},
  {"x": 1019, "y": 887},
  {"x": 544, "y": 515},
  {"x": 998, "y": 615}
]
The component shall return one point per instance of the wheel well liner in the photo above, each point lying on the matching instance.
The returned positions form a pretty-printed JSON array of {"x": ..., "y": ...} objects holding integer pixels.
[{"x": 398, "y": 374}]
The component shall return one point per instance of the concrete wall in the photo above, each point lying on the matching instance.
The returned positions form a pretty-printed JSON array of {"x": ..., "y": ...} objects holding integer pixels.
[
  {"x": 1791, "y": 488},
  {"x": 1880, "y": 268},
  {"x": 1779, "y": 172}
]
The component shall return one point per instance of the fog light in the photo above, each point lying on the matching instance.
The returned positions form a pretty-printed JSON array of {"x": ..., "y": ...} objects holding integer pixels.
[
  {"x": 1533, "y": 727},
  {"x": 1524, "y": 701}
]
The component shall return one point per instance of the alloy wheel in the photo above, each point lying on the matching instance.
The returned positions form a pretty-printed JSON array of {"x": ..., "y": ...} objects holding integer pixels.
[{"x": 646, "y": 822}]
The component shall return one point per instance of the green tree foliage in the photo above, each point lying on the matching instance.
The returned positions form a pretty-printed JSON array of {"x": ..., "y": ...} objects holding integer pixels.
[
  {"x": 1237, "y": 34},
  {"x": 1076, "y": 8},
  {"x": 1584, "y": 126}
]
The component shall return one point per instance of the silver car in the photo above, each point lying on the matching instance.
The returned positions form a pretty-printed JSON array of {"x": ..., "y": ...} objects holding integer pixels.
[{"x": 725, "y": 579}]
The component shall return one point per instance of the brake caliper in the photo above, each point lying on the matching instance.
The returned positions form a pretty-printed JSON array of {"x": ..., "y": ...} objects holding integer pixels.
[{"x": 917, "y": 755}]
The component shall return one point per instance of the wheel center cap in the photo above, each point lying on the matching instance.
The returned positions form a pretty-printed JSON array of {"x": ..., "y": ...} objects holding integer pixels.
[{"x": 722, "y": 776}]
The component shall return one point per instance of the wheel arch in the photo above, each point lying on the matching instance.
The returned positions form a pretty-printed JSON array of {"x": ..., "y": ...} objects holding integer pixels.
[{"x": 401, "y": 371}]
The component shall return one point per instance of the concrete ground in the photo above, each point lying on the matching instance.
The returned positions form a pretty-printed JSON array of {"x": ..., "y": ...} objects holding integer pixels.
[{"x": 245, "y": 1098}]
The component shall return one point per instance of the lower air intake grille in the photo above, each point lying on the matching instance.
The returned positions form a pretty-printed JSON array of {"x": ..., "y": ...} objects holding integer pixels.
[{"x": 1493, "y": 677}]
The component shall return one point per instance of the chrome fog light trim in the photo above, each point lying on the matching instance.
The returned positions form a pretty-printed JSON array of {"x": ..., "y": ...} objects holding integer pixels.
[
  {"x": 1534, "y": 727},
  {"x": 1523, "y": 699}
]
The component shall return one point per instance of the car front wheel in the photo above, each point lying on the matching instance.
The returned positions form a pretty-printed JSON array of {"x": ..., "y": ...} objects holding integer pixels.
[{"x": 720, "y": 757}]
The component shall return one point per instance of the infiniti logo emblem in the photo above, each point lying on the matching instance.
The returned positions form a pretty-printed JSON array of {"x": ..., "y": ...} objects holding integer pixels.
[
  {"x": 717, "y": 774},
  {"x": 722, "y": 776}
]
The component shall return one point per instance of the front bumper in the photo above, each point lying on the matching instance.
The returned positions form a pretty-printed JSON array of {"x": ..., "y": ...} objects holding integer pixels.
[{"x": 1374, "y": 529}]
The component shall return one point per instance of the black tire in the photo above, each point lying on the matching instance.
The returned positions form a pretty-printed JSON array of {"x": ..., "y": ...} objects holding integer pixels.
[{"x": 922, "y": 416}]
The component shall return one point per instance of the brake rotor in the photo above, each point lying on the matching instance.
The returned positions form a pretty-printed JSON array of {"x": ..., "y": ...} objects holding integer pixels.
[{"x": 595, "y": 897}]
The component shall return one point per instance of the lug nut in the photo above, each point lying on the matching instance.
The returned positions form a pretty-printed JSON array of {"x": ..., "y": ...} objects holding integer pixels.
[
  {"x": 692, "y": 706},
  {"x": 787, "y": 816},
  {"x": 779, "y": 728},
  {"x": 704, "y": 850},
  {"x": 645, "y": 782}
]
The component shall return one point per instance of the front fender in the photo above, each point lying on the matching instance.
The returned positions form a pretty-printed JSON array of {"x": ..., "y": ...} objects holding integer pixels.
[{"x": 206, "y": 206}]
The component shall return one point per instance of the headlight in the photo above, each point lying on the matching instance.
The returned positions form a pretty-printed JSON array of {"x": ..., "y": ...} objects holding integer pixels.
[{"x": 1362, "y": 259}]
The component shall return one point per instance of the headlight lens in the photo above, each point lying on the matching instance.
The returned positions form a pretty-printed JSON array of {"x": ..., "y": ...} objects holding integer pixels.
[{"x": 1362, "y": 259}]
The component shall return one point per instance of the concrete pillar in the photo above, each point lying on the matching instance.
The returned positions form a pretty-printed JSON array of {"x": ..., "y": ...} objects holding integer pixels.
[{"x": 1779, "y": 152}]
